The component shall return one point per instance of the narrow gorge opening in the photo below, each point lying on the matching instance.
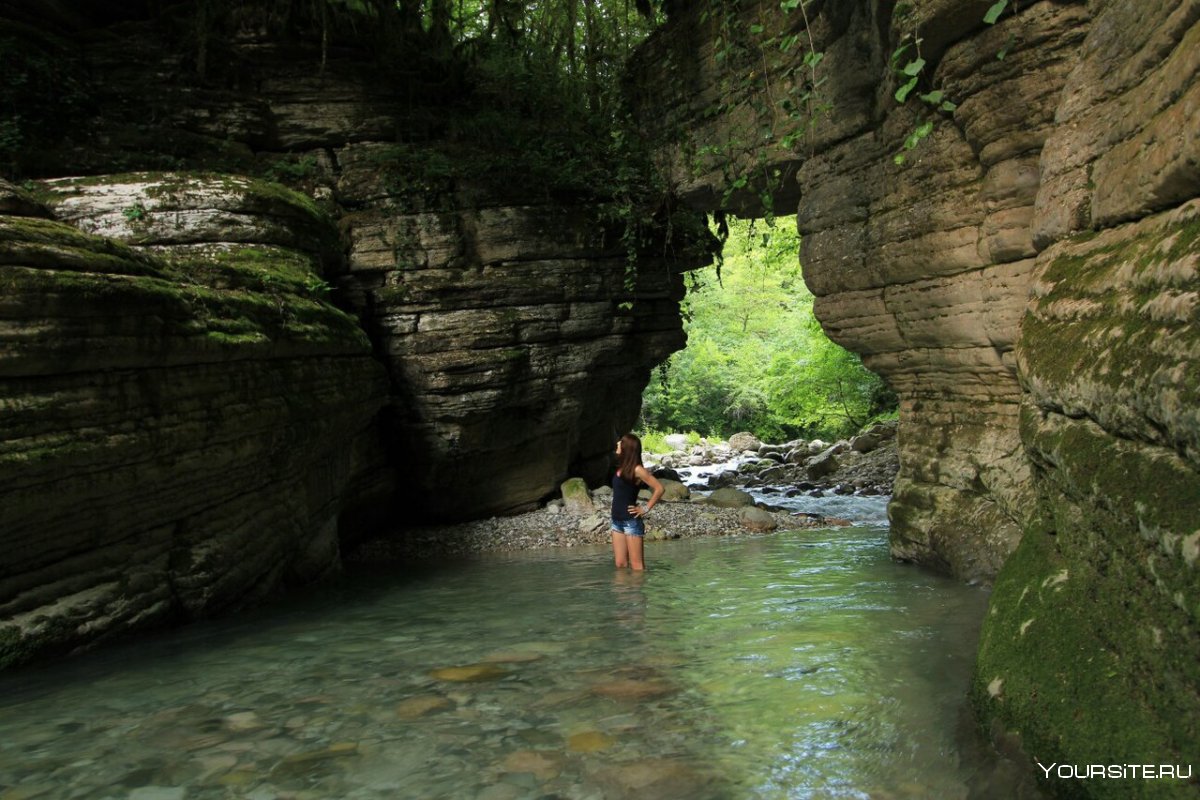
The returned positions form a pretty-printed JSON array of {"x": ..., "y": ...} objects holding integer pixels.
[
  {"x": 757, "y": 359},
  {"x": 761, "y": 400}
]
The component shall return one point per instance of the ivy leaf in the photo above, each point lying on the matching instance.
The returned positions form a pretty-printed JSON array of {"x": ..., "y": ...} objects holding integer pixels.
[
  {"x": 811, "y": 59},
  {"x": 756, "y": 28},
  {"x": 914, "y": 67},
  {"x": 790, "y": 5},
  {"x": 914, "y": 138},
  {"x": 902, "y": 92},
  {"x": 1004, "y": 50},
  {"x": 899, "y": 51},
  {"x": 934, "y": 97},
  {"x": 949, "y": 107},
  {"x": 995, "y": 11}
]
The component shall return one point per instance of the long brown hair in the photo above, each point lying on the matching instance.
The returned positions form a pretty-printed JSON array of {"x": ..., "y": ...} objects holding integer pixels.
[{"x": 630, "y": 458}]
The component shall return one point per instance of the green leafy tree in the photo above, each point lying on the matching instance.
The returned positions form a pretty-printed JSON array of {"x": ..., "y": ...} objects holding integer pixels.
[{"x": 757, "y": 359}]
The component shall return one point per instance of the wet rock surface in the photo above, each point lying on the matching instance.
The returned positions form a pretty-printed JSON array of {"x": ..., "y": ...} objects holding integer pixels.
[{"x": 187, "y": 416}]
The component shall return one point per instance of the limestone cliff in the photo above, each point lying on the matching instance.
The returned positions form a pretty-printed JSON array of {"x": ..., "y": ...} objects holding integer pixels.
[
  {"x": 1026, "y": 279},
  {"x": 184, "y": 422},
  {"x": 921, "y": 267},
  {"x": 516, "y": 349},
  {"x": 212, "y": 382}
]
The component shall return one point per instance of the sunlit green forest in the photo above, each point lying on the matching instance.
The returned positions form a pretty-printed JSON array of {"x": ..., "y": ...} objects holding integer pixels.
[{"x": 757, "y": 360}]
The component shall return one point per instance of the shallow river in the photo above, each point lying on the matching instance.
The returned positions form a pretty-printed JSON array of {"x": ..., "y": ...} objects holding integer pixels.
[{"x": 796, "y": 665}]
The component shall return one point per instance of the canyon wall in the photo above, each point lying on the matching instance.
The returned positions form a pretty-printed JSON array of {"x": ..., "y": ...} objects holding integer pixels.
[
  {"x": 212, "y": 383},
  {"x": 186, "y": 422},
  {"x": 1025, "y": 275},
  {"x": 517, "y": 337}
]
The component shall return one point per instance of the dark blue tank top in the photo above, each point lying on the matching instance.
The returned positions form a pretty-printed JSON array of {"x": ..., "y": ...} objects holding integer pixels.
[{"x": 624, "y": 495}]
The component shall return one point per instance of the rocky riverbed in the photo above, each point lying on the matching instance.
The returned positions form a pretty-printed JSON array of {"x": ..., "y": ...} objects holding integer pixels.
[{"x": 705, "y": 497}]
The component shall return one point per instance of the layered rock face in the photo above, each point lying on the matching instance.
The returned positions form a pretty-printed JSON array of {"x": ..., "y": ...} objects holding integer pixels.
[
  {"x": 185, "y": 421},
  {"x": 1027, "y": 281},
  {"x": 920, "y": 267},
  {"x": 518, "y": 333},
  {"x": 212, "y": 382}
]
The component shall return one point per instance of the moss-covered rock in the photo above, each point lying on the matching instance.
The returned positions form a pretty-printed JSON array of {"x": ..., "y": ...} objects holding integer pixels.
[
  {"x": 19, "y": 202},
  {"x": 1091, "y": 651},
  {"x": 86, "y": 301},
  {"x": 170, "y": 209},
  {"x": 576, "y": 497},
  {"x": 1113, "y": 331},
  {"x": 186, "y": 420}
]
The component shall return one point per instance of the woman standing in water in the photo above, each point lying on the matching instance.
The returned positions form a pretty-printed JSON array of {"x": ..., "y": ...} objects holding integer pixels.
[{"x": 628, "y": 530}]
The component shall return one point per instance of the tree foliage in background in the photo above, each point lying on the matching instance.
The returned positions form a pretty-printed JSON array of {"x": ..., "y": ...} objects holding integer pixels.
[
  {"x": 537, "y": 82},
  {"x": 757, "y": 360}
]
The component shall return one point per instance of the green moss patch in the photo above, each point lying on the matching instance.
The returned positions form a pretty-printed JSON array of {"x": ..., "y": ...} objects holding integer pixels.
[
  {"x": 262, "y": 268},
  {"x": 34, "y": 242},
  {"x": 313, "y": 229},
  {"x": 12, "y": 650},
  {"x": 1090, "y": 650},
  {"x": 169, "y": 309},
  {"x": 1093, "y": 321}
]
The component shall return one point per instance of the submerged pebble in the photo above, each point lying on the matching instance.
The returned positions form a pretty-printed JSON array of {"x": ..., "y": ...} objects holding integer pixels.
[{"x": 469, "y": 673}]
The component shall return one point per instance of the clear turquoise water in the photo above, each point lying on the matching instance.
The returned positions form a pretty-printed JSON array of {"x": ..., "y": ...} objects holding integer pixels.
[{"x": 797, "y": 665}]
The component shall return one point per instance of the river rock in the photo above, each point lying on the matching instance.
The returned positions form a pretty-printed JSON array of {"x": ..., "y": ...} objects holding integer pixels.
[
  {"x": 774, "y": 452},
  {"x": 630, "y": 689},
  {"x": 821, "y": 465},
  {"x": 667, "y": 779},
  {"x": 864, "y": 443},
  {"x": 674, "y": 491},
  {"x": 471, "y": 673},
  {"x": 544, "y": 766},
  {"x": 422, "y": 705},
  {"x": 743, "y": 442},
  {"x": 756, "y": 519},
  {"x": 666, "y": 473},
  {"x": 243, "y": 721},
  {"x": 576, "y": 498},
  {"x": 590, "y": 742},
  {"x": 727, "y": 497}
]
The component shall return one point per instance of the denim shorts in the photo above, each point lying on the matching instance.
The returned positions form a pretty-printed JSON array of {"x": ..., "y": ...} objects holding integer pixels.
[{"x": 630, "y": 527}]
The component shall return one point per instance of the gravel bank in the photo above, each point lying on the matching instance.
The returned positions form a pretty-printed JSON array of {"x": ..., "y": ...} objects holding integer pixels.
[
  {"x": 871, "y": 473},
  {"x": 546, "y": 528}
]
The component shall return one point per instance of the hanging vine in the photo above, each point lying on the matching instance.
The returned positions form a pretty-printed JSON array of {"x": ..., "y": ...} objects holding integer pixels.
[{"x": 756, "y": 57}]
